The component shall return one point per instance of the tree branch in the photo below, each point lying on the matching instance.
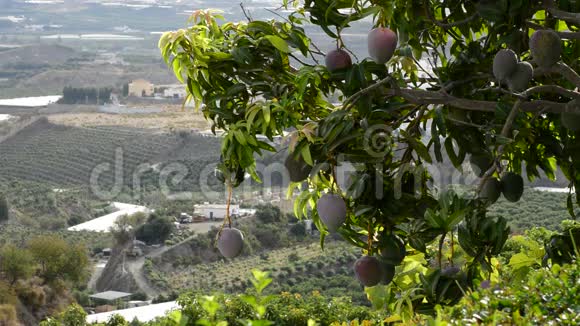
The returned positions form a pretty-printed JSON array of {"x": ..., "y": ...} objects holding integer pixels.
[
  {"x": 423, "y": 97},
  {"x": 452, "y": 84},
  {"x": 553, "y": 89},
  {"x": 564, "y": 15},
  {"x": 560, "y": 68},
  {"x": 352, "y": 99}
]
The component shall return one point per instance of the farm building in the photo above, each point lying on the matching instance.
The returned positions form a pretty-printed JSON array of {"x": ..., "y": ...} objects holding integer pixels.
[
  {"x": 143, "y": 314},
  {"x": 111, "y": 298},
  {"x": 216, "y": 211},
  {"x": 174, "y": 91},
  {"x": 141, "y": 88}
]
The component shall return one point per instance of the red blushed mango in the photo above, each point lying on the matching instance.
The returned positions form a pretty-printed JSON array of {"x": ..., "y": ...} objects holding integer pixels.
[
  {"x": 337, "y": 59},
  {"x": 382, "y": 43},
  {"x": 368, "y": 270}
]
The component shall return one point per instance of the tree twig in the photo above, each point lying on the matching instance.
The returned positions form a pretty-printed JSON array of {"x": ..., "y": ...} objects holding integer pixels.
[
  {"x": 568, "y": 73},
  {"x": 552, "y": 89},
  {"x": 245, "y": 12},
  {"x": 300, "y": 61},
  {"x": 464, "y": 123}
]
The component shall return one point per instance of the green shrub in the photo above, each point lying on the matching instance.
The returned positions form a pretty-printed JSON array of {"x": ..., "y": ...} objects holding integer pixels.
[
  {"x": 74, "y": 315},
  {"x": 117, "y": 320},
  {"x": 548, "y": 296}
]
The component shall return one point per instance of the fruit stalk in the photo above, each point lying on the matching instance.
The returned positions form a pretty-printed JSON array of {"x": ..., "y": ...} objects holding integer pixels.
[
  {"x": 228, "y": 202},
  {"x": 369, "y": 240},
  {"x": 505, "y": 133}
]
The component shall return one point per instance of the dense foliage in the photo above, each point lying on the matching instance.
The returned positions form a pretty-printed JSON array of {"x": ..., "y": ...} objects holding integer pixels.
[
  {"x": 73, "y": 95},
  {"x": 155, "y": 230},
  {"x": 36, "y": 278},
  {"x": 547, "y": 296},
  {"x": 395, "y": 120}
]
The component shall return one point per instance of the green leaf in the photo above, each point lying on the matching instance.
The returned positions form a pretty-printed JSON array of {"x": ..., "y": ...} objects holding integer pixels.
[
  {"x": 278, "y": 43},
  {"x": 177, "y": 69},
  {"x": 194, "y": 89},
  {"x": 521, "y": 260},
  {"x": 379, "y": 296},
  {"x": 260, "y": 26},
  {"x": 306, "y": 155},
  {"x": 266, "y": 146},
  {"x": 266, "y": 112},
  {"x": 240, "y": 137},
  {"x": 499, "y": 139},
  {"x": 261, "y": 280},
  {"x": 253, "y": 173},
  {"x": 420, "y": 149},
  {"x": 451, "y": 153}
]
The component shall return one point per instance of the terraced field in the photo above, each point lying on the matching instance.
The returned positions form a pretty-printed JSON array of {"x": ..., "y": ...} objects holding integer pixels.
[
  {"x": 18, "y": 235},
  {"x": 66, "y": 156},
  {"x": 287, "y": 266}
]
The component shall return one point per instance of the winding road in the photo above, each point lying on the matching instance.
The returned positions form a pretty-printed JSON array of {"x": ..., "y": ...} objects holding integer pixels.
[{"x": 135, "y": 267}]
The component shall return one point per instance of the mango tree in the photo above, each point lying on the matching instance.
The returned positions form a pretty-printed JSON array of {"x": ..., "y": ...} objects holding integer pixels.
[{"x": 490, "y": 82}]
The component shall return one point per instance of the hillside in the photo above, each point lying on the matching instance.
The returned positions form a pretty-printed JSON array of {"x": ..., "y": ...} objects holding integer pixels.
[
  {"x": 45, "y": 54},
  {"x": 302, "y": 268},
  {"x": 535, "y": 208},
  {"x": 65, "y": 156}
]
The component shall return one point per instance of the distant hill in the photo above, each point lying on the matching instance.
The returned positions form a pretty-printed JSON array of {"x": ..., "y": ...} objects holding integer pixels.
[{"x": 44, "y": 54}]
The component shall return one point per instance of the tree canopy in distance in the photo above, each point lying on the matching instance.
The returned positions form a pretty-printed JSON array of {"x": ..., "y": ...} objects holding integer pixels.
[{"x": 445, "y": 79}]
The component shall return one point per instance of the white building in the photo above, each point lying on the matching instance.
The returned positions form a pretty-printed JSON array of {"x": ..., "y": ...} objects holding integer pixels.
[
  {"x": 175, "y": 91},
  {"x": 216, "y": 211},
  {"x": 143, "y": 314}
]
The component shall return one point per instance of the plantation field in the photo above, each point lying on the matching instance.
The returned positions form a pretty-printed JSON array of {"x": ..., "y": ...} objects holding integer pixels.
[
  {"x": 301, "y": 269},
  {"x": 65, "y": 156},
  {"x": 18, "y": 235},
  {"x": 39, "y": 206},
  {"x": 535, "y": 208}
]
